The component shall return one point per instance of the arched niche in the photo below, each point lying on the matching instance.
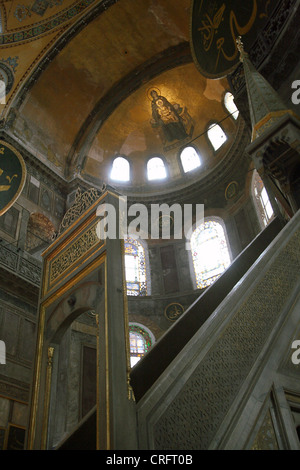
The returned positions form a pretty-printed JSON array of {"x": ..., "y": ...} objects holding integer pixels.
[
  {"x": 72, "y": 332},
  {"x": 86, "y": 296}
]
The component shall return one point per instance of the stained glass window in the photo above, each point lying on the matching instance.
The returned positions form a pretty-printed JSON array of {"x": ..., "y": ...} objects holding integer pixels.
[
  {"x": 120, "y": 169},
  {"x": 135, "y": 267},
  {"x": 189, "y": 159},
  {"x": 156, "y": 169},
  {"x": 140, "y": 343},
  {"x": 263, "y": 203},
  {"x": 230, "y": 105},
  {"x": 210, "y": 252},
  {"x": 216, "y": 135}
]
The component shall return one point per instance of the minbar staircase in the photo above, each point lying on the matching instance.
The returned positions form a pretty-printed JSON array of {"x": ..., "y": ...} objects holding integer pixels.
[{"x": 151, "y": 371}]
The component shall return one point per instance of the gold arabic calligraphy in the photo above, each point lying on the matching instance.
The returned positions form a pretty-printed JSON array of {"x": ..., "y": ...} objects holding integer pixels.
[
  {"x": 210, "y": 29},
  {"x": 174, "y": 312},
  {"x": 6, "y": 187}
]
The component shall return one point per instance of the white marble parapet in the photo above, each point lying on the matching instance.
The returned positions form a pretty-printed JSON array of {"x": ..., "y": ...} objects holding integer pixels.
[{"x": 226, "y": 379}]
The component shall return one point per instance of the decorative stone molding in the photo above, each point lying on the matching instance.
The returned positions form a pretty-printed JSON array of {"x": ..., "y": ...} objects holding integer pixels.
[
  {"x": 82, "y": 202},
  {"x": 15, "y": 261}
]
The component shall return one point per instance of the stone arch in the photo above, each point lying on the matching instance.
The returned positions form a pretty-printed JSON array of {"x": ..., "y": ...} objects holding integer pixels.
[
  {"x": 70, "y": 332},
  {"x": 85, "y": 297}
]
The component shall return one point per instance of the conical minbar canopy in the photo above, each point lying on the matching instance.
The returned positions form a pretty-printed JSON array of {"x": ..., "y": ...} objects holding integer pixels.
[{"x": 265, "y": 104}]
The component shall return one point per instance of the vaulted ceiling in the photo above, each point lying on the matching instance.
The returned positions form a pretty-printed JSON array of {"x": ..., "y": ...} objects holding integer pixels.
[{"x": 79, "y": 76}]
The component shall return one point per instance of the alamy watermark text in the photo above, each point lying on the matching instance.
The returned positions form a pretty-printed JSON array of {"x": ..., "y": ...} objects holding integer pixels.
[
  {"x": 296, "y": 94},
  {"x": 154, "y": 222},
  {"x": 296, "y": 354},
  {"x": 2, "y": 353}
]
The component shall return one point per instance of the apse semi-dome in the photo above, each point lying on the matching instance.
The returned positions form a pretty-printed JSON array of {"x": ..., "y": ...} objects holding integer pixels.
[{"x": 167, "y": 115}]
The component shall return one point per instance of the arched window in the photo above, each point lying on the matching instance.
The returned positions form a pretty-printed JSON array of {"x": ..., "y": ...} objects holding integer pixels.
[
  {"x": 230, "y": 105},
  {"x": 156, "y": 169},
  {"x": 120, "y": 169},
  {"x": 263, "y": 205},
  {"x": 216, "y": 135},
  {"x": 141, "y": 340},
  {"x": 189, "y": 159},
  {"x": 135, "y": 267},
  {"x": 209, "y": 252}
]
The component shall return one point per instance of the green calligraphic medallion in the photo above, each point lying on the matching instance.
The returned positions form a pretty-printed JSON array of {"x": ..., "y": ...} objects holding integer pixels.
[
  {"x": 12, "y": 175},
  {"x": 215, "y": 25}
]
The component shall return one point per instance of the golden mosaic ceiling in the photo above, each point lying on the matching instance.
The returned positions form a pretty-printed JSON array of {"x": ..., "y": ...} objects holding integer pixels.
[{"x": 80, "y": 76}]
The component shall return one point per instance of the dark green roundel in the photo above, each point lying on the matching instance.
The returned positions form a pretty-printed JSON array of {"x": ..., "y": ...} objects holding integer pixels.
[
  {"x": 215, "y": 25},
  {"x": 12, "y": 175}
]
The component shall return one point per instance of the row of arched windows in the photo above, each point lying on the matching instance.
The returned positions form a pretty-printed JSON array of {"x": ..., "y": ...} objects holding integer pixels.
[
  {"x": 209, "y": 248},
  {"x": 189, "y": 157},
  {"x": 210, "y": 256}
]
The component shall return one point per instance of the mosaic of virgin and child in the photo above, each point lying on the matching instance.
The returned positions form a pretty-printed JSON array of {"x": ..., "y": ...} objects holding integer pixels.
[{"x": 172, "y": 120}]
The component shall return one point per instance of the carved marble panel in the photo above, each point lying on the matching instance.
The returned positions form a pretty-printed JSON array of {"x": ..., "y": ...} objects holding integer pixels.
[{"x": 194, "y": 416}]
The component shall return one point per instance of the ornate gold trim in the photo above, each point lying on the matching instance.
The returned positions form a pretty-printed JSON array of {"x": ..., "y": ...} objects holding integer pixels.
[
  {"x": 52, "y": 277},
  {"x": 36, "y": 380},
  {"x": 47, "y": 398},
  {"x": 75, "y": 279},
  {"x": 71, "y": 227},
  {"x": 97, "y": 378},
  {"x": 60, "y": 248},
  {"x": 24, "y": 173},
  {"x": 106, "y": 368},
  {"x": 130, "y": 393},
  {"x": 40, "y": 341},
  {"x": 267, "y": 121},
  {"x": 82, "y": 203}
]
